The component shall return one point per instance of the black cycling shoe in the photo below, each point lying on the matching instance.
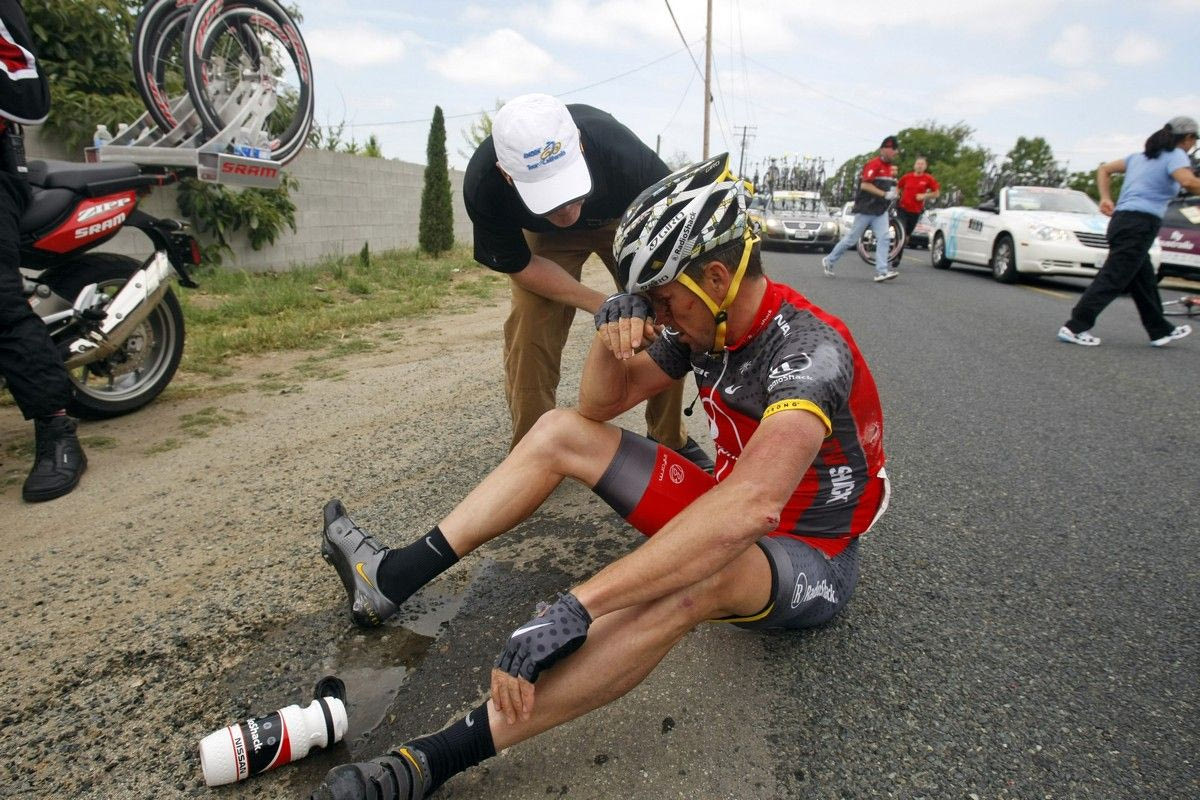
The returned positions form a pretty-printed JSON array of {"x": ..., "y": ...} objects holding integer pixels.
[
  {"x": 59, "y": 460},
  {"x": 693, "y": 453},
  {"x": 402, "y": 774},
  {"x": 356, "y": 556}
]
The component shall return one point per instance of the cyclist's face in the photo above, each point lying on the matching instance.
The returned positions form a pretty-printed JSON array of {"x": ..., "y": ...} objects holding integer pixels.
[
  {"x": 677, "y": 307},
  {"x": 888, "y": 154},
  {"x": 919, "y": 166}
]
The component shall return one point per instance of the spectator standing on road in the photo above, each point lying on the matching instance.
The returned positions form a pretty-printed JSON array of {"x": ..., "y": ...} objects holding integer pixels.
[
  {"x": 916, "y": 188},
  {"x": 876, "y": 191},
  {"x": 544, "y": 192},
  {"x": 29, "y": 361},
  {"x": 770, "y": 541},
  {"x": 1152, "y": 178}
]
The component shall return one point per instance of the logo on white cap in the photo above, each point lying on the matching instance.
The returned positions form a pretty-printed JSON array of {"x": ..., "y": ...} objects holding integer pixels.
[{"x": 537, "y": 144}]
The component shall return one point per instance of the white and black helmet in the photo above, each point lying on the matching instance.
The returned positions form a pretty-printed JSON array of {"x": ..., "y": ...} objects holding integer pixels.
[{"x": 690, "y": 212}]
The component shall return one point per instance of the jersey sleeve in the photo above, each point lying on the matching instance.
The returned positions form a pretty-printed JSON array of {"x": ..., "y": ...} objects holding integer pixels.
[
  {"x": 670, "y": 354},
  {"x": 1176, "y": 159},
  {"x": 934, "y": 186},
  {"x": 812, "y": 373}
]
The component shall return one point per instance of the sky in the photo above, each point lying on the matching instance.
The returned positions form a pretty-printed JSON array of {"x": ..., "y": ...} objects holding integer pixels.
[{"x": 825, "y": 79}]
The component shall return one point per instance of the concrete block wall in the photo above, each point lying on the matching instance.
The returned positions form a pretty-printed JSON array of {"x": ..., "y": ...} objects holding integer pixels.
[{"x": 342, "y": 201}]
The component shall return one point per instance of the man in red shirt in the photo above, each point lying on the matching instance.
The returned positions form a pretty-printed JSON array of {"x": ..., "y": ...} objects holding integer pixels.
[
  {"x": 916, "y": 188},
  {"x": 876, "y": 191}
]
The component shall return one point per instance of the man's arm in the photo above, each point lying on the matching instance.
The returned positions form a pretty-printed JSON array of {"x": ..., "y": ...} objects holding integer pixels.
[
  {"x": 546, "y": 278},
  {"x": 719, "y": 525},
  {"x": 1104, "y": 184},
  {"x": 611, "y": 384}
]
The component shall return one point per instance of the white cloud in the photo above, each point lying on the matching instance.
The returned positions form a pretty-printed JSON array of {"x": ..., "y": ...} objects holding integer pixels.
[
  {"x": 501, "y": 58},
  {"x": 1098, "y": 148},
  {"x": 979, "y": 95},
  {"x": 1136, "y": 49},
  {"x": 355, "y": 46},
  {"x": 1074, "y": 47},
  {"x": 1167, "y": 107}
]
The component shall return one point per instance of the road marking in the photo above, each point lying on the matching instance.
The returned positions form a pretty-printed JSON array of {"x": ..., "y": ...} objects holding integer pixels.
[{"x": 1051, "y": 293}]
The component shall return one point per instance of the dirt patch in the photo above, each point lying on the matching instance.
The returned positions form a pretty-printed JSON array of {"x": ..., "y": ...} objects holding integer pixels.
[{"x": 180, "y": 589}]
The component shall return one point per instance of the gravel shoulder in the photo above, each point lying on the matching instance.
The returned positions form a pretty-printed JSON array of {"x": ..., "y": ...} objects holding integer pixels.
[{"x": 180, "y": 589}]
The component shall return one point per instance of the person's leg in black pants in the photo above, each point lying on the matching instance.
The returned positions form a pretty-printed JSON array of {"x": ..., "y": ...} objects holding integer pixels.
[
  {"x": 1144, "y": 291},
  {"x": 1130, "y": 235},
  {"x": 31, "y": 366}
]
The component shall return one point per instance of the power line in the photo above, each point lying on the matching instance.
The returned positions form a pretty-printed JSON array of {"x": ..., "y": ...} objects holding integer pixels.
[
  {"x": 485, "y": 111},
  {"x": 699, "y": 71},
  {"x": 815, "y": 90}
]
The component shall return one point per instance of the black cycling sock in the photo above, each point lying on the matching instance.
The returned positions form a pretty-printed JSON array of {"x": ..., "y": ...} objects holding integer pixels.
[
  {"x": 458, "y": 747},
  {"x": 406, "y": 569}
]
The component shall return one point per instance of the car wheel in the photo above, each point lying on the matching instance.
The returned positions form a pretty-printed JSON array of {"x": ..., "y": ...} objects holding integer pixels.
[
  {"x": 1004, "y": 259},
  {"x": 937, "y": 253}
]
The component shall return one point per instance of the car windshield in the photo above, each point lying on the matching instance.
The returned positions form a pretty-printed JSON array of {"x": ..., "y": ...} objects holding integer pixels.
[
  {"x": 1043, "y": 199},
  {"x": 802, "y": 205}
]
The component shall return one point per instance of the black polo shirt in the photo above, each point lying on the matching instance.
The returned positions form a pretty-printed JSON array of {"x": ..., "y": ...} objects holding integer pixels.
[{"x": 621, "y": 166}]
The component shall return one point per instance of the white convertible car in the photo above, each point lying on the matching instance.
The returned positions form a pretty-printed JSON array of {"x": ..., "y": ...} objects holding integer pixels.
[{"x": 1028, "y": 229}]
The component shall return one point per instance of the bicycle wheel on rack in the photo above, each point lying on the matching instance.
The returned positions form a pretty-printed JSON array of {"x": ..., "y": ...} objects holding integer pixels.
[
  {"x": 232, "y": 48},
  {"x": 158, "y": 58}
]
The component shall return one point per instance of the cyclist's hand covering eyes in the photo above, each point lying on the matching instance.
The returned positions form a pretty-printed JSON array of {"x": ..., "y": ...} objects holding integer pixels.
[{"x": 624, "y": 323}]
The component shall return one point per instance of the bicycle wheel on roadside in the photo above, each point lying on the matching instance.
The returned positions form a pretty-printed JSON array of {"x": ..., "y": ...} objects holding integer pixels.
[
  {"x": 1183, "y": 306},
  {"x": 230, "y": 48},
  {"x": 866, "y": 243}
]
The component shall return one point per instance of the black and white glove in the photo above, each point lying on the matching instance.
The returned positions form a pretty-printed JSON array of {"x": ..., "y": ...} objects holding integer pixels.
[
  {"x": 621, "y": 306},
  {"x": 891, "y": 194},
  {"x": 558, "y": 630}
]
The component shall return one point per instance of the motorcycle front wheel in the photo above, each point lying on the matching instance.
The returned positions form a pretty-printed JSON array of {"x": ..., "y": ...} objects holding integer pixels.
[{"x": 145, "y": 363}]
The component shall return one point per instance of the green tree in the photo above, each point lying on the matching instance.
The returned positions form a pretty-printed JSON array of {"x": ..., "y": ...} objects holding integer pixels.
[
  {"x": 372, "y": 149},
  {"x": 1031, "y": 163},
  {"x": 436, "y": 231},
  {"x": 1085, "y": 181},
  {"x": 957, "y": 164},
  {"x": 84, "y": 47},
  {"x": 474, "y": 134}
]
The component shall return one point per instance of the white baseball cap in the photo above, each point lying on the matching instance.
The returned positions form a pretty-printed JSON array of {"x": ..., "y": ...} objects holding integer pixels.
[{"x": 537, "y": 143}]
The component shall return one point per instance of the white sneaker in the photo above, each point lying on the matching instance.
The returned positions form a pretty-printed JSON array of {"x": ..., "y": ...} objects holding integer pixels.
[
  {"x": 1178, "y": 333},
  {"x": 825, "y": 265},
  {"x": 1085, "y": 338},
  {"x": 887, "y": 276}
]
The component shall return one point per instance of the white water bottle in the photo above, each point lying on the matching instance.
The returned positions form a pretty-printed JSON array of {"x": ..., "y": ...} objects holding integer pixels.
[
  {"x": 101, "y": 137},
  {"x": 257, "y": 745}
]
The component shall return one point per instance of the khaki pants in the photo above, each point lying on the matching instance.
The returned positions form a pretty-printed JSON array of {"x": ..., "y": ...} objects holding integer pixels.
[{"x": 536, "y": 332}]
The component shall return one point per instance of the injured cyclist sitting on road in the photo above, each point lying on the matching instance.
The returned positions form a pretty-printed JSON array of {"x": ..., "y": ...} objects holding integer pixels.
[{"x": 799, "y": 477}]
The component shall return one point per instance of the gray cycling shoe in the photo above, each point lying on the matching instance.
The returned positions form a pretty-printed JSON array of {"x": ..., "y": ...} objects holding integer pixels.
[
  {"x": 402, "y": 774},
  {"x": 356, "y": 556}
]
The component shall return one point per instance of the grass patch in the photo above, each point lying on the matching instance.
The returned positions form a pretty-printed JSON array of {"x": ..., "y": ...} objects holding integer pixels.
[
  {"x": 200, "y": 423},
  {"x": 98, "y": 442},
  {"x": 165, "y": 446},
  {"x": 242, "y": 313}
]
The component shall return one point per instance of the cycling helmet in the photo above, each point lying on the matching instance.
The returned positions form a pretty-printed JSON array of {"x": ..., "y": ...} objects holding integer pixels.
[{"x": 686, "y": 214}]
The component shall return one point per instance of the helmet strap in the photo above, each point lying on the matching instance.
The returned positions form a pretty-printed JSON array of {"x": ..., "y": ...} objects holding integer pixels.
[{"x": 720, "y": 312}]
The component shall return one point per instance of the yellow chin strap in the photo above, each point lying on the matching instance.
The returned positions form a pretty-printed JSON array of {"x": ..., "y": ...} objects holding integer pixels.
[{"x": 719, "y": 312}]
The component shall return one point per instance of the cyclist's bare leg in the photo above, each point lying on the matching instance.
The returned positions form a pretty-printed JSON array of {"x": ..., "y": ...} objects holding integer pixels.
[{"x": 561, "y": 444}]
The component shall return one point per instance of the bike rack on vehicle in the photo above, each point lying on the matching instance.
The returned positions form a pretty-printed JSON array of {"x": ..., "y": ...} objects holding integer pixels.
[{"x": 185, "y": 146}]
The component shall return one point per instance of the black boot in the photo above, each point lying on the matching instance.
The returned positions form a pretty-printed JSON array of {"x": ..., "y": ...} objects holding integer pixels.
[{"x": 59, "y": 460}]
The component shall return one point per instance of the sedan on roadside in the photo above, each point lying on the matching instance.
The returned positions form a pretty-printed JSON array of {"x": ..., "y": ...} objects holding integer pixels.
[
  {"x": 1025, "y": 230},
  {"x": 795, "y": 218},
  {"x": 1179, "y": 238}
]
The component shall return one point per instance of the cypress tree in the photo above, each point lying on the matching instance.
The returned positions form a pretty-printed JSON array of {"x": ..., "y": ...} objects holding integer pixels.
[{"x": 436, "y": 233}]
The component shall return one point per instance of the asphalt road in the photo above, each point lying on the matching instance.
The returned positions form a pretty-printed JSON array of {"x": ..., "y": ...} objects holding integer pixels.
[
  {"x": 1026, "y": 621},
  {"x": 1025, "y": 624}
]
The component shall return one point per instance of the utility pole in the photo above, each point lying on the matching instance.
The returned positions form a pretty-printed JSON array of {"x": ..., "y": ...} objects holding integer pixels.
[
  {"x": 746, "y": 130},
  {"x": 707, "y": 75}
]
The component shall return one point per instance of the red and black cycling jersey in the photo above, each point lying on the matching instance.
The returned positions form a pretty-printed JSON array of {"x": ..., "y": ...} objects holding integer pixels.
[
  {"x": 24, "y": 93},
  {"x": 880, "y": 174},
  {"x": 910, "y": 185},
  {"x": 796, "y": 357}
]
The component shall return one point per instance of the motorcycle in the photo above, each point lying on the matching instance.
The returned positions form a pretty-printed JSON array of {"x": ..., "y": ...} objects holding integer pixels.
[{"x": 116, "y": 322}]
